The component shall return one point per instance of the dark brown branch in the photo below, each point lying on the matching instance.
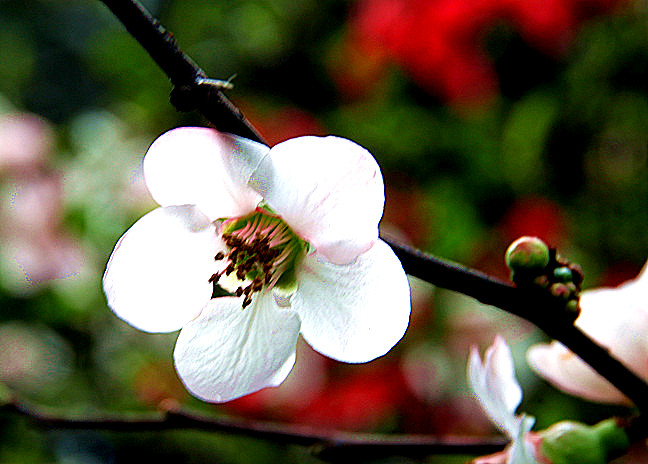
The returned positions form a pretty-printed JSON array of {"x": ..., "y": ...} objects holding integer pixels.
[
  {"x": 538, "y": 308},
  {"x": 329, "y": 445},
  {"x": 193, "y": 91}
]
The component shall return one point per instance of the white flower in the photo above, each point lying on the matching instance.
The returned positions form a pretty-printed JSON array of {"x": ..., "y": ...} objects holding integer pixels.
[
  {"x": 499, "y": 394},
  {"x": 292, "y": 230},
  {"x": 616, "y": 318}
]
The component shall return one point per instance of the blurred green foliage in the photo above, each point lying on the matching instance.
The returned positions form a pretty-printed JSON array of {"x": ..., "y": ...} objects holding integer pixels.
[{"x": 561, "y": 153}]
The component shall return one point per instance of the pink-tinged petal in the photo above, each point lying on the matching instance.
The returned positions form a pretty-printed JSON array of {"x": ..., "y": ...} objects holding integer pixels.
[
  {"x": 356, "y": 312},
  {"x": 496, "y": 386},
  {"x": 328, "y": 189},
  {"x": 229, "y": 351},
  {"x": 157, "y": 276},
  {"x": 616, "y": 318},
  {"x": 568, "y": 372},
  {"x": 203, "y": 167}
]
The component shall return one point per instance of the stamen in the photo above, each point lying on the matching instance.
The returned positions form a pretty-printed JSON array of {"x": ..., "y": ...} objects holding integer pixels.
[{"x": 261, "y": 248}]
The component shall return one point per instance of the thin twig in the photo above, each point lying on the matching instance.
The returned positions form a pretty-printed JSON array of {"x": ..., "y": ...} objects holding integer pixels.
[
  {"x": 545, "y": 312},
  {"x": 192, "y": 90},
  {"x": 329, "y": 445}
]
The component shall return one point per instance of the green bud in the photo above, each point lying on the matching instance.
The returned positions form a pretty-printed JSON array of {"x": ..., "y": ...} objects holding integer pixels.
[
  {"x": 572, "y": 307},
  {"x": 563, "y": 274},
  {"x": 570, "y": 442},
  {"x": 527, "y": 254},
  {"x": 560, "y": 291}
]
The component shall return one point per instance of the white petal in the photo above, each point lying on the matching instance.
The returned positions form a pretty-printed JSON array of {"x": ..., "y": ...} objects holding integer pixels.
[
  {"x": 617, "y": 319},
  {"x": 203, "y": 167},
  {"x": 157, "y": 276},
  {"x": 521, "y": 451},
  {"x": 495, "y": 385},
  {"x": 566, "y": 371},
  {"x": 356, "y": 312},
  {"x": 229, "y": 351},
  {"x": 328, "y": 189}
]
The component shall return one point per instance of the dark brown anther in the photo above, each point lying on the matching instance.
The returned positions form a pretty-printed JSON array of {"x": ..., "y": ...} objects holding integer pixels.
[
  {"x": 240, "y": 273},
  {"x": 239, "y": 291},
  {"x": 247, "y": 301},
  {"x": 220, "y": 255},
  {"x": 214, "y": 278},
  {"x": 230, "y": 269}
]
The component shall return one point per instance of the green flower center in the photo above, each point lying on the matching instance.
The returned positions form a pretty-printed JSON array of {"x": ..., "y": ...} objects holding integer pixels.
[{"x": 262, "y": 253}]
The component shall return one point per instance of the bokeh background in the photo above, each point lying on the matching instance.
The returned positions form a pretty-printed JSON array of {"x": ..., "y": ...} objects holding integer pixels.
[{"x": 491, "y": 119}]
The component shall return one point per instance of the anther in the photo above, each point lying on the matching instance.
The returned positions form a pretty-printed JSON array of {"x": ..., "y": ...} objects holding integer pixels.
[
  {"x": 214, "y": 278},
  {"x": 220, "y": 255}
]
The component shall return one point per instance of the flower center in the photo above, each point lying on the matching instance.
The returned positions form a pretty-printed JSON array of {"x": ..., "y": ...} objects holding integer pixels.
[{"x": 262, "y": 253}]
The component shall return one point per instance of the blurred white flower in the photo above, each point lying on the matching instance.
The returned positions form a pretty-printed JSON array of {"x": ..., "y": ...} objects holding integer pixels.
[
  {"x": 291, "y": 230},
  {"x": 25, "y": 142},
  {"x": 616, "y": 318},
  {"x": 499, "y": 393},
  {"x": 35, "y": 247},
  {"x": 33, "y": 359}
]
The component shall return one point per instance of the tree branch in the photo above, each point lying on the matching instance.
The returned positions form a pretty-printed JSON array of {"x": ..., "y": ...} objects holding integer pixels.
[
  {"x": 328, "y": 445},
  {"x": 539, "y": 308},
  {"x": 193, "y": 91}
]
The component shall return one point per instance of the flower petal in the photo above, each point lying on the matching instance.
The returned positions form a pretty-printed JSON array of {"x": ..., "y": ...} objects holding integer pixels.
[
  {"x": 521, "y": 451},
  {"x": 157, "y": 276},
  {"x": 328, "y": 189},
  {"x": 229, "y": 351},
  {"x": 568, "y": 372},
  {"x": 357, "y": 312},
  {"x": 621, "y": 330},
  {"x": 496, "y": 386},
  {"x": 203, "y": 167}
]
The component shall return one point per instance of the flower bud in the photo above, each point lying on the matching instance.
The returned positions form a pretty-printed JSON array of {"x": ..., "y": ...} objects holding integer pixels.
[
  {"x": 527, "y": 254},
  {"x": 573, "y": 308},
  {"x": 560, "y": 291},
  {"x": 563, "y": 274},
  {"x": 570, "y": 442}
]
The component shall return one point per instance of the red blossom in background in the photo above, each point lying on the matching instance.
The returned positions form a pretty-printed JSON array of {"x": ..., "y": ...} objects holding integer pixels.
[
  {"x": 440, "y": 42},
  {"x": 359, "y": 401},
  {"x": 283, "y": 123},
  {"x": 535, "y": 216}
]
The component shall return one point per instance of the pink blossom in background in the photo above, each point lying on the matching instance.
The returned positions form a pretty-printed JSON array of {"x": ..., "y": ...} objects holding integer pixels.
[
  {"x": 36, "y": 249},
  {"x": 25, "y": 142}
]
